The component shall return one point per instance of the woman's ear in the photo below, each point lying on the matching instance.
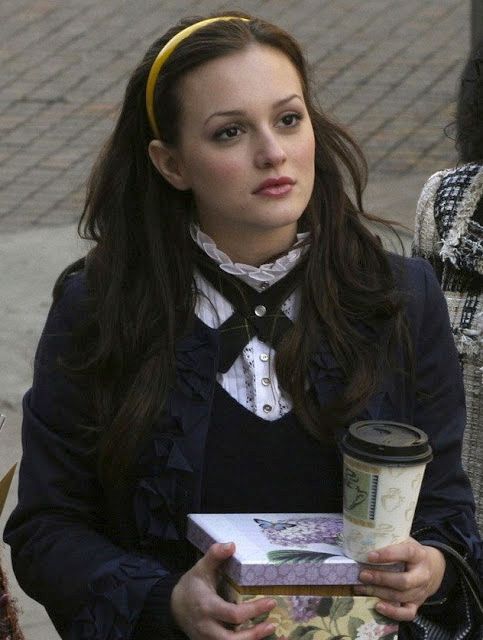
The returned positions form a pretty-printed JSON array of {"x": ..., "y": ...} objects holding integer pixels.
[{"x": 168, "y": 163}]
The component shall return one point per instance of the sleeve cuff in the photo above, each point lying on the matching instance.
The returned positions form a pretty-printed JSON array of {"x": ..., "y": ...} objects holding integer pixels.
[
  {"x": 116, "y": 599},
  {"x": 156, "y": 619},
  {"x": 450, "y": 580}
]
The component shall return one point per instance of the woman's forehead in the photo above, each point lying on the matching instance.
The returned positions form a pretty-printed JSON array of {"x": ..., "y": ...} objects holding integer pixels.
[{"x": 255, "y": 75}]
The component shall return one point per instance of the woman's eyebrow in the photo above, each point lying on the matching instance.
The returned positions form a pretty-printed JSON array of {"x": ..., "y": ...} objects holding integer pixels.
[{"x": 239, "y": 112}]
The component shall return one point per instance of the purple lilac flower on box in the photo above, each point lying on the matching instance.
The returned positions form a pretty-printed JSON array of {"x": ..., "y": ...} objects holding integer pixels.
[{"x": 301, "y": 532}]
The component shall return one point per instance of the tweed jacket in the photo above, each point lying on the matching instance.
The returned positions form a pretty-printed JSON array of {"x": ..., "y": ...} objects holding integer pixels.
[
  {"x": 449, "y": 233},
  {"x": 93, "y": 566}
]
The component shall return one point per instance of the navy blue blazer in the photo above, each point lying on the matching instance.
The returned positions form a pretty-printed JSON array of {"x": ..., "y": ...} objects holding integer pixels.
[{"x": 94, "y": 567}]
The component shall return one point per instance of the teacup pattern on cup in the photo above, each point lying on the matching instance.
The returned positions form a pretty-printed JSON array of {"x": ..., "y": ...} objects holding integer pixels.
[{"x": 379, "y": 504}]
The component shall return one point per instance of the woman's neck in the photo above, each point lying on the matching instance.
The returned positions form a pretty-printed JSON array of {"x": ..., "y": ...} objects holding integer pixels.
[{"x": 254, "y": 249}]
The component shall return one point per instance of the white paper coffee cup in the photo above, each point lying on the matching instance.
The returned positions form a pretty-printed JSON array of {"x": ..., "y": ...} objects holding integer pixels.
[{"x": 384, "y": 465}]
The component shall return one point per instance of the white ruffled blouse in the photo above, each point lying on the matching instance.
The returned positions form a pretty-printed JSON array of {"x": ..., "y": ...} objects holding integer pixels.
[{"x": 251, "y": 380}]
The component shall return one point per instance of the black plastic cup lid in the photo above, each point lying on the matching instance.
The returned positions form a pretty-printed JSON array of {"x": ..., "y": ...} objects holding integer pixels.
[{"x": 385, "y": 442}]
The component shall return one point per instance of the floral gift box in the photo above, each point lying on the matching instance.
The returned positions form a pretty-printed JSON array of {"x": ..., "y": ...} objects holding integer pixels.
[{"x": 297, "y": 559}]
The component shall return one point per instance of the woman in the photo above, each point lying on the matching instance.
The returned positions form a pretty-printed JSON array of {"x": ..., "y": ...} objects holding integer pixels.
[
  {"x": 449, "y": 233},
  {"x": 234, "y": 304}
]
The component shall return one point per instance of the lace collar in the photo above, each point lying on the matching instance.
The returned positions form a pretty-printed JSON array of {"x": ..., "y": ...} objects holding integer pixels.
[{"x": 262, "y": 276}]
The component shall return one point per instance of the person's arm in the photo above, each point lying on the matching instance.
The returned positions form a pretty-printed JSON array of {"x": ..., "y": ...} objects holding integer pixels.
[
  {"x": 445, "y": 512},
  {"x": 90, "y": 587},
  {"x": 446, "y": 509},
  {"x": 425, "y": 240},
  {"x": 445, "y": 516}
]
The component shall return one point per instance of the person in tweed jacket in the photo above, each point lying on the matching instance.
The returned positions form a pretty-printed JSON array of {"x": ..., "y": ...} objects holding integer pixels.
[{"x": 449, "y": 233}]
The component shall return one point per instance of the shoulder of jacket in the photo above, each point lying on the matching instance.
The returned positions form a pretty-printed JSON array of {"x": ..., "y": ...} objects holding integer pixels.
[
  {"x": 425, "y": 236},
  {"x": 421, "y": 293},
  {"x": 70, "y": 296},
  {"x": 407, "y": 270},
  {"x": 415, "y": 279}
]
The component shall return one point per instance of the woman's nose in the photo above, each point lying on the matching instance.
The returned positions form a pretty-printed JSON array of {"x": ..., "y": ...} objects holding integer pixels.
[{"x": 270, "y": 152}]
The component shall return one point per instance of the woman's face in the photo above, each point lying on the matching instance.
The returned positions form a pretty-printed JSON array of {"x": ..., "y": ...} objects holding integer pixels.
[{"x": 246, "y": 148}]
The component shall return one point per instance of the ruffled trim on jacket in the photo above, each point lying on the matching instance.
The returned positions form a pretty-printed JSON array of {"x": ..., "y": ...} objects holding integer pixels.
[
  {"x": 455, "y": 204},
  {"x": 162, "y": 496},
  {"x": 329, "y": 381},
  {"x": 164, "y": 493},
  {"x": 116, "y": 599},
  {"x": 445, "y": 223}
]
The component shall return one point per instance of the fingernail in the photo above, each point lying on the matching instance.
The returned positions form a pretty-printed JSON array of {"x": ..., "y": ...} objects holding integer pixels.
[
  {"x": 366, "y": 576},
  {"x": 373, "y": 556},
  {"x": 360, "y": 591},
  {"x": 270, "y": 628},
  {"x": 227, "y": 545}
]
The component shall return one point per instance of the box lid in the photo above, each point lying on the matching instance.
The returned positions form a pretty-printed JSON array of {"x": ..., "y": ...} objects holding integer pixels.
[{"x": 278, "y": 548}]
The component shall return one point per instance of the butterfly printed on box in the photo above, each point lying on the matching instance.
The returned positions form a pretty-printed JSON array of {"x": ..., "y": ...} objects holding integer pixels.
[{"x": 275, "y": 526}]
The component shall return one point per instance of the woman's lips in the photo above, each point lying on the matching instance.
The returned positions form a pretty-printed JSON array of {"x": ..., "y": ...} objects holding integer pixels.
[{"x": 275, "y": 187}]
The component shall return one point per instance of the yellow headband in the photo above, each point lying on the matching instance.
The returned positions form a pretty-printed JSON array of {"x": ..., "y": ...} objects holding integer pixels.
[{"x": 161, "y": 58}]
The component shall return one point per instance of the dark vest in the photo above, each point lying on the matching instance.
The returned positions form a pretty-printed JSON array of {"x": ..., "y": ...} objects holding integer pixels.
[{"x": 255, "y": 465}]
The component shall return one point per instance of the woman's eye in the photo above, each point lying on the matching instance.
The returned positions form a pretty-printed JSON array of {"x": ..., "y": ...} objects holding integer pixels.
[
  {"x": 291, "y": 119},
  {"x": 228, "y": 133}
]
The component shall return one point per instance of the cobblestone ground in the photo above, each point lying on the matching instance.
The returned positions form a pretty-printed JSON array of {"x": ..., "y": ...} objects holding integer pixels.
[{"x": 388, "y": 69}]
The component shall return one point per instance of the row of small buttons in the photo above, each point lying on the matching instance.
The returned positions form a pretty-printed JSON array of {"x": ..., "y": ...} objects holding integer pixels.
[
  {"x": 260, "y": 311},
  {"x": 265, "y": 381}
]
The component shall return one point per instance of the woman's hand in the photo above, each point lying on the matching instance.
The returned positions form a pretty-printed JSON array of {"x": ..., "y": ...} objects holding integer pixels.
[
  {"x": 403, "y": 593},
  {"x": 203, "y": 615}
]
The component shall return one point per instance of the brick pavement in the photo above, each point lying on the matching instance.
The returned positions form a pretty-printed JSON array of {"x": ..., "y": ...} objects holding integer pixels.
[{"x": 388, "y": 69}]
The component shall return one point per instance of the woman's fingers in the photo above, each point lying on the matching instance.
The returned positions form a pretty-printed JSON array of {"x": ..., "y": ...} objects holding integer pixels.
[
  {"x": 213, "y": 619},
  {"x": 216, "y": 619},
  {"x": 256, "y": 633},
  {"x": 391, "y": 595},
  {"x": 236, "y": 614},
  {"x": 410, "y": 552},
  {"x": 400, "y": 612},
  {"x": 402, "y": 593},
  {"x": 203, "y": 615},
  {"x": 214, "y": 630},
  {"x": 210, "y": 563},
  {"x": 407, "y": 581}
]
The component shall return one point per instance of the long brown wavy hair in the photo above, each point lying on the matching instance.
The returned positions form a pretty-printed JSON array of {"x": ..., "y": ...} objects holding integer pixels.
[{"x": 140, "y": 271}]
